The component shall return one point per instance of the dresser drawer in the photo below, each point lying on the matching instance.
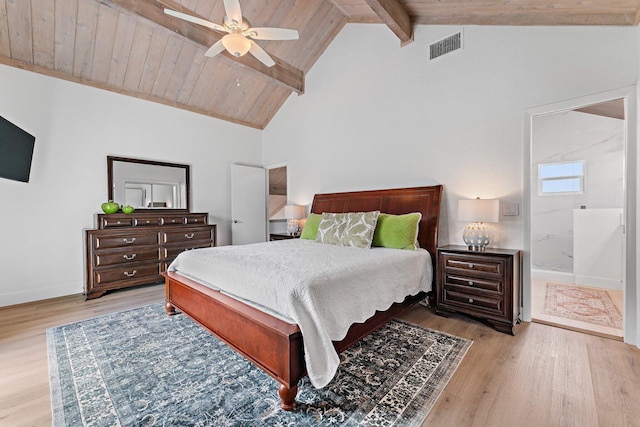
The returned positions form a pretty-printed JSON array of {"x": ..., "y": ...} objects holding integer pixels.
[
  {"x": 465, "y": 300},
  {"x": 145, "y": 221},
  {"x": 134, "y": 254},
  {"x": 169, "y": 252},
  {"x": 474, "y": 264},
  {"x": 133, "y": 272},
  {"x": 173, "y": 220},
  {"x": 124, "y": 240},
  {"x": 117, "y": 221},
  {"x": 186, "y": 235},
  {"x": 473, "y": 282},
  {"x": 197, "y": 219}
]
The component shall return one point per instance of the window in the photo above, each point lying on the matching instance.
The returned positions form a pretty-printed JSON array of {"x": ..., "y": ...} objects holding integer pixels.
[{"x": 561, "y": 178}]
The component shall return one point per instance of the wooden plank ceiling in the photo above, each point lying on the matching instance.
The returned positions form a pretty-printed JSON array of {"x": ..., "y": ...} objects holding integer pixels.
[{"x": 132, "y": 47}]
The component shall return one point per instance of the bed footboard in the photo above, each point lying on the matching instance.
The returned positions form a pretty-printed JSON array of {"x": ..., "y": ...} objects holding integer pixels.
[{"x": 273, "y": 345}]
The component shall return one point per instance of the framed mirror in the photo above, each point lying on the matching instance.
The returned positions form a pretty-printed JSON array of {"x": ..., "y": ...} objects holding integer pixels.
[{"x": 146, "y": 184}]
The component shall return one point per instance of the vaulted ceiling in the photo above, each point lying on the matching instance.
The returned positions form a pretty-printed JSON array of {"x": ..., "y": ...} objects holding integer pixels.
[{"x": 132, "y": 47}]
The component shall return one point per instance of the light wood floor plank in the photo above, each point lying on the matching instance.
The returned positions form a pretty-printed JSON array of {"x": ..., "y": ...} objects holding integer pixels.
[{"x": 543, "y": 376}]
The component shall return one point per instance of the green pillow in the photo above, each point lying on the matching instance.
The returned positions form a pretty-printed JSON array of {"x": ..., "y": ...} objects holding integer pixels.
[
  {"x": 310, "y": 230},
  {"x": 397, "y": 231}
]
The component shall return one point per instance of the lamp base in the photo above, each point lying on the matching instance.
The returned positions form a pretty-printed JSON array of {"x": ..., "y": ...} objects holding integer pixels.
[
  {"x": 476, "y": 236},
  {"x": 293, "y": 227}
]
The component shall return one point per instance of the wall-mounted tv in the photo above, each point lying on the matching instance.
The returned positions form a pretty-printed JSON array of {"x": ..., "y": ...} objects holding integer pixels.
[{"x": 16, "y": 151}]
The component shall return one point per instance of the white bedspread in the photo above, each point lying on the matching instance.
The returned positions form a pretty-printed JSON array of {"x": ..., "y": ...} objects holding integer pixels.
[{"x": 322, "y": 288}]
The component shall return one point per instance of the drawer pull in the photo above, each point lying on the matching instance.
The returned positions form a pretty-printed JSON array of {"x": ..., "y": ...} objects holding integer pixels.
[
  {"x": 129, "y": 257},
  {"x": 189, "y": 236},
  {"x": 470, "y": 265},
  {"x": 118, "y": 222},
  {"x": 173, "y": 220},
  {"x": 133, "y": 273},
  {"x": 129, "y": 241},
  {"x": 471, "y": 300},
  {"x": 470, "y": 282}
]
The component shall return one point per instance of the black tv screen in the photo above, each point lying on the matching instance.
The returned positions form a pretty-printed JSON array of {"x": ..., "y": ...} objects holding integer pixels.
[{"x": 16, "y": 151}]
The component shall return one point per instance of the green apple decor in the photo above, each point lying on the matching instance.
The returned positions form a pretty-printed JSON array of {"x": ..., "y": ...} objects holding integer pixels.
[
  {"x": 127, "y": 209},
  {"x": 110, "y": 207}
]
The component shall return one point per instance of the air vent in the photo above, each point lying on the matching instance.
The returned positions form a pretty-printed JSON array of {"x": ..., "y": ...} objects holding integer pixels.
[{"x": 444, "y": 46}]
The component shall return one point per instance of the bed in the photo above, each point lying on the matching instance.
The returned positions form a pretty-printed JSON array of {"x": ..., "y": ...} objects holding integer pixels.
[{"x": 275, "y": 344}]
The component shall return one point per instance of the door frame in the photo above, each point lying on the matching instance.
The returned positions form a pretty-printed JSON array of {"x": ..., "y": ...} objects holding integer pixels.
[{"x": 631, "y": 328}]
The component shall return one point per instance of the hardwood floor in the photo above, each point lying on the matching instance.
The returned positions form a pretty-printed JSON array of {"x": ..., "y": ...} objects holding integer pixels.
[{"x": 543, "y": 376}]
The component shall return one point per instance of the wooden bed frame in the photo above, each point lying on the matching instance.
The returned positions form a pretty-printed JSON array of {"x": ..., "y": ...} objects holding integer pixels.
[{"x": 276, "y": 346}]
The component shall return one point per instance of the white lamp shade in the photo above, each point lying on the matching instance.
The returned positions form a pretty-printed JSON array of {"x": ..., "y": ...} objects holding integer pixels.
[
  {"x": 293, "y": 212},
  {"x": 478, "y": 210}
]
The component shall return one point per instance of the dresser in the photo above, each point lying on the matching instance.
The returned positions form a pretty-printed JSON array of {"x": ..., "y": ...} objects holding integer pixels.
[
  {"x": 133, "y": 249},
  {"x": 483, "y": 284}
]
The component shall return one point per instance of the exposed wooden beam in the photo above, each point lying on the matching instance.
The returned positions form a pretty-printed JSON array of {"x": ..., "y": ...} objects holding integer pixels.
[
  {"x": 395, "y": 16},
  {"x": 153, "y": 10}
]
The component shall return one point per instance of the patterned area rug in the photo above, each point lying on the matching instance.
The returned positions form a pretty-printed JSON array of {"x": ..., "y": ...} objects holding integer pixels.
[
  {"x": 144, "y": 368},
  {"x": 584, "y": 304}
]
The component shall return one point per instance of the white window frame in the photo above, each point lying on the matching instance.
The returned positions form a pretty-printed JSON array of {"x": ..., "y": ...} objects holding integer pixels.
[{"x": 581, "y": 179}]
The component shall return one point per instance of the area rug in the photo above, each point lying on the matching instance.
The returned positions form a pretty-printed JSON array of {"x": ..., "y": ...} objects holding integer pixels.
[
  {"x": 583, "y": 304},
  {"x": 143, "y": 368}
]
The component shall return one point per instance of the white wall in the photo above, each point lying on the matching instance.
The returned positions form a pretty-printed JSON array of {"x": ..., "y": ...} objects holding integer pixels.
[
  {"x": 563, "y": 137},
  {"x": 375, "y": 115},
  {"x": 76, "y": 127}
]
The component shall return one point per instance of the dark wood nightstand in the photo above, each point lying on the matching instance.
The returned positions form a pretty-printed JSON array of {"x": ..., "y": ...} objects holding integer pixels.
[
  {"x": 481, "y": 284},
  {"x": 282, "y": 236}
]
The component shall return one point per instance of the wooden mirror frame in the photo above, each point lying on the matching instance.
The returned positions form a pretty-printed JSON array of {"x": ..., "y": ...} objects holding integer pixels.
[{"x": 110, "y": 196}]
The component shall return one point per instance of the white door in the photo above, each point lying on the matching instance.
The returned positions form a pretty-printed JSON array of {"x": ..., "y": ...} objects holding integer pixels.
[{"x": 248, "y": 204}]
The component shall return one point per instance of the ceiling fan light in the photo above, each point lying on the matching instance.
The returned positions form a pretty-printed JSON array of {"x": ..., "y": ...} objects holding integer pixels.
[{"x": 236, "y": 44}]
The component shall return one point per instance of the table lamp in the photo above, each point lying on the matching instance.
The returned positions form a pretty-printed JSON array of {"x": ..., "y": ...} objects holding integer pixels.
[
  {"x": 293, "y": 213},
  {"x": 476, "y": 235}
]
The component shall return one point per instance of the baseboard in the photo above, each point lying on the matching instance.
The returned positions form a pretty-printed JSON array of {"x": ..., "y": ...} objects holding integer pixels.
[
  {"x": 38, "y": 294},
  {"x": 599, "y": 282},
  {"x": 552, "y": 276},
  {"x": 570, "y": 278}
]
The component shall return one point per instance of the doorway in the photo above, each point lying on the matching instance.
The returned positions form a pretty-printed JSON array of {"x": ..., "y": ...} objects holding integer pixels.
[{"x": 577, "y": 218}]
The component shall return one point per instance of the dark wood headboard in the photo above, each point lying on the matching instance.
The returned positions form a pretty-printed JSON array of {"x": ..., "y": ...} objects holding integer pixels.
[{"x": 425, "y": 200}]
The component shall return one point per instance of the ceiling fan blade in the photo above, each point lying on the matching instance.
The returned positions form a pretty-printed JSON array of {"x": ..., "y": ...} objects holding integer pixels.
[
  {"x": 195, "y": 20},
  {"x": 232, "y": 8},
  {"x": 266, "y": 33},
  {"x": 261, "y": 55},
  {"x": 215, "y": 49}
]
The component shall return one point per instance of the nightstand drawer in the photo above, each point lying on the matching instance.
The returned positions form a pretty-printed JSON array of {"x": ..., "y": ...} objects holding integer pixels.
[
  {"x": 474, "y": 282},
  {"x": 474, "y": 263},
  {"x": 491, "y": 305}
]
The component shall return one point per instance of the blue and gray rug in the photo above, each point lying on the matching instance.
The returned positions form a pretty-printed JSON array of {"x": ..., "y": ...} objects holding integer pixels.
[{"x": 143, "y": 368}]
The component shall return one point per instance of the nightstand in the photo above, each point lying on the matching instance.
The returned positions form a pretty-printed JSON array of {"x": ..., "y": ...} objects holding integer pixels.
[
  {"x": 279, "y": 236},
  {"x": 481, "y": 284}
]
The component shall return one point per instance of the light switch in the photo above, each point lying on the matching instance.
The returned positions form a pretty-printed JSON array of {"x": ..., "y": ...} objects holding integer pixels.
[{"x": 510, "y": 209}]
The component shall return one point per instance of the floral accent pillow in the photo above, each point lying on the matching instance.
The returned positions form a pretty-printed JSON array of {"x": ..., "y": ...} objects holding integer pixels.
[
  {"x": 331, "y": 227},
  {"x": 359, "y": 229},
  {"x": 348, "y": 229}
]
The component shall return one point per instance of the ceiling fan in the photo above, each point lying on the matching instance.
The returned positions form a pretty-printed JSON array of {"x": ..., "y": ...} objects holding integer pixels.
[{"x": 239, "y": 41}]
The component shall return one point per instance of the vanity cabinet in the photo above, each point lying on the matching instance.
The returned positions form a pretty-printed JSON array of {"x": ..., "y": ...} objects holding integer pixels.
[{"x": 133, "y": 249}]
